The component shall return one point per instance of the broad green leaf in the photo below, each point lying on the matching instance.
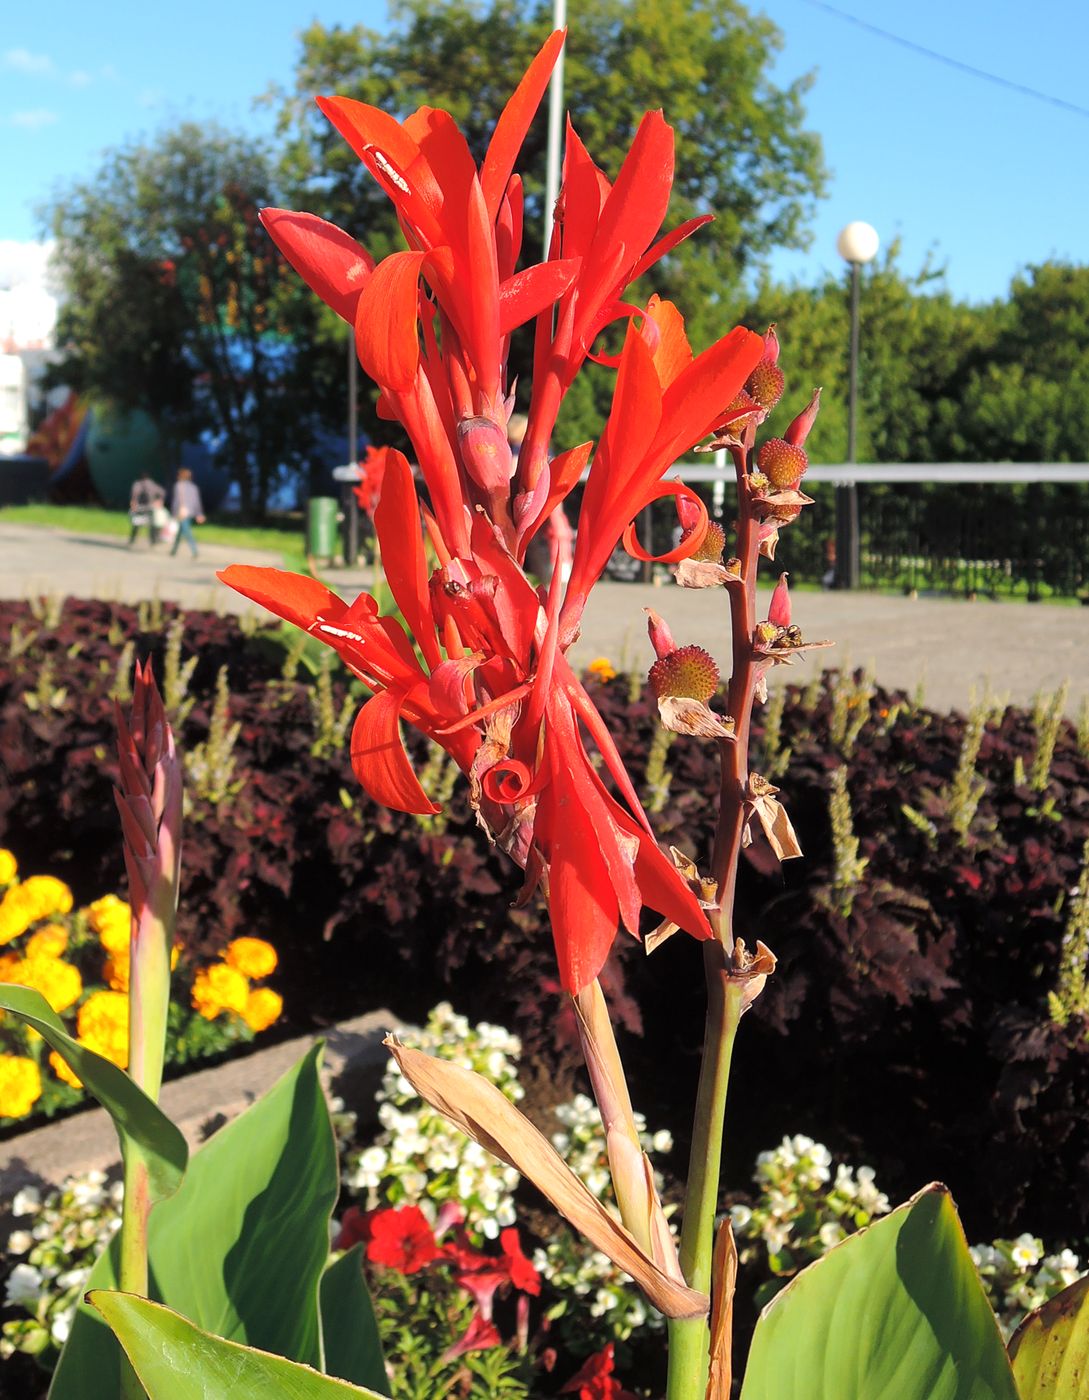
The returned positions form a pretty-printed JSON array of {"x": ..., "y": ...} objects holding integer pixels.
[
  {"x": 349, "y": 1331},
  {"x": 176, "y": 1361},
  {"x": 1050, "y": 1350},
  {"x": 241, "y": 1247},
  {"x": 896, "y": 1312},
  {"x": 142, "y": 1127}
]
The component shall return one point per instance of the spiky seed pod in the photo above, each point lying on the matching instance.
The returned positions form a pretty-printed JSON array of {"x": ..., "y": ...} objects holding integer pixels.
[
  {"x": 782, "y": 463},
  {"x": 689, "y": 672},
  {"x": 766, "y": 385},
  {"x": 712, "y": 545}
]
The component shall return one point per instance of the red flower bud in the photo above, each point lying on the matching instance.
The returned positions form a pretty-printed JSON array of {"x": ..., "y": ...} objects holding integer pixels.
[
  {"x": 782, "y": 462},
  {"x": 486, "y": 453},
  {"x": 779, "y": 611},
  {"x": 661, "y": 639},
  {"x": 799, "y": 430}
]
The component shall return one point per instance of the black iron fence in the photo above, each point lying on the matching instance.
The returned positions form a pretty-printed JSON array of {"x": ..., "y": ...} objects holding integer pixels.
[{"x": 1004, "y": 530}]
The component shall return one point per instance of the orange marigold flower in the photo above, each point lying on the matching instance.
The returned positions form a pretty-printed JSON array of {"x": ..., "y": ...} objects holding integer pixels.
[
  {"x": 116, "y": 972},
  {"x": 59, "y": 982},
  {"x": 48, "y": 942},
  {"x": 602, "y": 668},
  {"x": 263, "y": 1007},
  {"x": 252, "y": 957},
  {"x": 9, "y": 867},
  {"x": 111, "y": 919},
  {"x": 103, "y": 1025},
  {"x": 20, "y": 1085},
  {"x": 220, "y": 988},
  {"x": 64, "y": 1071}
]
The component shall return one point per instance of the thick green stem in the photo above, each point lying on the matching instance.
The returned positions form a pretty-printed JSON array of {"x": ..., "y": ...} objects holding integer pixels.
[
  {"x": 689, "y": 1338},
  {"x": 133, "y": 1272}
]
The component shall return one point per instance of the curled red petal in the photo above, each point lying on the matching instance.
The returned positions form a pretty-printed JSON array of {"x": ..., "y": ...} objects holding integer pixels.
[
  {"x": 528, "y": 292},
  {"x": 379, "y": 760},
  {"x": 692, "y": 540}
]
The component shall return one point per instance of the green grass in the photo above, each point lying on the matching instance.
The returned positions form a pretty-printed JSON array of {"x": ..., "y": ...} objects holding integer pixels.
[{"x": 286, "y": 541}]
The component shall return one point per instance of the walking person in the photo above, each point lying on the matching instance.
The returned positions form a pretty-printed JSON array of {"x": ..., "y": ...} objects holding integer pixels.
[
  {"x": 145, "y": 499},
  {"x": 186, "y": 506}
]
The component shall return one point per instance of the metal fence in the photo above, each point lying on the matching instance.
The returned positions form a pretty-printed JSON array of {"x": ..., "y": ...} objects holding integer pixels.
[{"x": 994, "y": 529}]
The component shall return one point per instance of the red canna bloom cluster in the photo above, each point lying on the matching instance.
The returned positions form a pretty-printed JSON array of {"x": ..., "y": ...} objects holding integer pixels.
[{"x": 480, "y": 663}]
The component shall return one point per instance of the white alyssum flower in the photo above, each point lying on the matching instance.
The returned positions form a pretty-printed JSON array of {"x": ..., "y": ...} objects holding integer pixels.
[{"x": 24, "y": 1286}]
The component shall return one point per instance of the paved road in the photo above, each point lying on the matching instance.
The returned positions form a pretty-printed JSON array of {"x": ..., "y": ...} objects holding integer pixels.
[{"x": 951, "y": 646}]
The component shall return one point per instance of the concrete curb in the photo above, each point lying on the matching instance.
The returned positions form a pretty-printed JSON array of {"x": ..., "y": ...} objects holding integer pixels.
[{"x": 201, "y": 1102}]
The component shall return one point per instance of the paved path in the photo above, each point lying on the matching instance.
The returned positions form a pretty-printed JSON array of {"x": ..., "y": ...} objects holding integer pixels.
[{"x": 948, "y": 645}]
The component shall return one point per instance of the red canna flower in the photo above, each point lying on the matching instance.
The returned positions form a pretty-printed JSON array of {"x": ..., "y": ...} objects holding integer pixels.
[
  {"x": 402, "y": 1239},
  {"x": 368, "y": 489},
  {"x": 479, "y": 665}
]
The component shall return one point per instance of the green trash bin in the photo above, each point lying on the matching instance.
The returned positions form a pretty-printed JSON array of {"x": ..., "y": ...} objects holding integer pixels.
[{"x": 321, "y": 527}]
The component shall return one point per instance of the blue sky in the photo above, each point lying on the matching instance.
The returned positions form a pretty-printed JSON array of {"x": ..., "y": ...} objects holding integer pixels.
[{"x": 985, "y": 178}]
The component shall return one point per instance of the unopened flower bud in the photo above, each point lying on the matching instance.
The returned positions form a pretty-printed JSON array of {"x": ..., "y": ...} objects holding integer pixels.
[
  {"x": 779, "y": 610},
  {"x": 688, "y": 672},
  {"x": 766, "y": 384},
  {"x": 486, "y": 453},
  {"x": 661, "y": 638},
  {"x": 771, "y": 345},
  {"x": 799, "y": 430},
  {"x": 783, "y": 463}
]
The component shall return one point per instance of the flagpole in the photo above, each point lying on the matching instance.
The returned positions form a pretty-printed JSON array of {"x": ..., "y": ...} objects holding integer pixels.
[{"x": 555, "y": 128}]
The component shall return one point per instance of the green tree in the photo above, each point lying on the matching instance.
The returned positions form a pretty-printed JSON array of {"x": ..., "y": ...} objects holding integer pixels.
[
  {"x": 743, "y": 152},
  {"x": 174, "y": 300}
]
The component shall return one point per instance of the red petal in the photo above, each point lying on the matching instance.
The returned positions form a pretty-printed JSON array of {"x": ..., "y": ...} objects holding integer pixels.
[
  {"x": 386, "y": 321},
  {"x": 329, "y": 261},
  {"x": 397, "y": 525},
  {"x": 510, "y": 130},
  {"x": 668, "y": 243},
  {"x": 508, "y": 228},
  {"x": 528, "y": 293},
  {"x": 693, "y": 403},
  {"x": 581, "y": 899},
  {"x": 294, "y": 597},
  {"x": 379, "y": 760},
  {"x": 672, "y": 354}
]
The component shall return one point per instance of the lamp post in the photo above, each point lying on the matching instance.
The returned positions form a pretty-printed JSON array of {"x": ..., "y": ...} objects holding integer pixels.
[{"x": 857, "y": 244}]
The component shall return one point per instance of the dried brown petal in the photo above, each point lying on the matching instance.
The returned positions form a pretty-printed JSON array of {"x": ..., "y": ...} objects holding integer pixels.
[
  {"x": 683, "y": 715},
  {"x": 723, "y": 1284}
]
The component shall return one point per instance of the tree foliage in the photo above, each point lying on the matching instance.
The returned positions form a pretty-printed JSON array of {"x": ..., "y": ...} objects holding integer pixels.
[{"x": 174, "y": 300}]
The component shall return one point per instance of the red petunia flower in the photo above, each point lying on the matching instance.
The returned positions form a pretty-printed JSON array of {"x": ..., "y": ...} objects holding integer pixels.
[
  {"x": 402, "y": 1239},
  {"x": 595, "y": 1380}
]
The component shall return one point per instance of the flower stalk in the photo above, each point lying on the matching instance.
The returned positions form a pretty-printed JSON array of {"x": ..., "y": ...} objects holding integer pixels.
[{"x": 149, "y": 800}]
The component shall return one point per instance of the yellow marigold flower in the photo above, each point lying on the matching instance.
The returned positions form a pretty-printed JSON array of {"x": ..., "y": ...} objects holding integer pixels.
[
  {"x": 263, "y": 1006},
  {"x": 7, "y": 962},
  {"x": 110, "y": 918},
  {"x": 59, "y": 982},
  {"x": 9, "y": 867},
  {"x": 48, "y": 942},
  {"x": 103, "y": 1025},
  {"x": 17, "y": 912},
  {"x": 252, "y": 957},
  {"x": 602, "y": 668},
  {"x": 20, "y": 1085},
  {"x": 116, "y": 972},
  {"x": 220, "y": 988},
  {"x": 63, "y": 1070},
  {"x": 50, "y": 895}
]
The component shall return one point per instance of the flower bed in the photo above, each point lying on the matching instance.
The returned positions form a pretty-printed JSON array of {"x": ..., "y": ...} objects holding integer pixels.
[
  {"x": 79, "y": 961},
  {"x": 924, "y": 953}
]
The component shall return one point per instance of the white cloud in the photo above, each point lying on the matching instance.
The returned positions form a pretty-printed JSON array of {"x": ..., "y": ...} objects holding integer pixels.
[
  {"x": 151, "y": 98},
  {"x": 80, "y": 78},
  {"x": 33, "y": 119},
  {"x": 23, "y": 61}
]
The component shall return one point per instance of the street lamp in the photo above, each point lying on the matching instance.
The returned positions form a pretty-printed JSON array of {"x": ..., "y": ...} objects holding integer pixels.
[{"x": 857, "y": 244}]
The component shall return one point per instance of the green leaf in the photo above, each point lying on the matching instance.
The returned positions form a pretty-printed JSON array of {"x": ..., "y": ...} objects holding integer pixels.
[
  {"x": 1050, "y": 1350},
  {"x": 176, "y": 1361},
  {"x": 353, "y": 1350},
  {"x": 142, "y": 1127},
  {"x": 240, "y": 1249},
  {"x": 896, "y": 1312}
]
